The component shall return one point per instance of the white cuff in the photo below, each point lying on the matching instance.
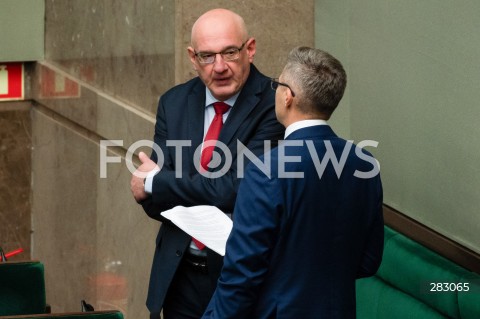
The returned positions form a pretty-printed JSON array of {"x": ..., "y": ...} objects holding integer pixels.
[{"x": 149, "y": 181}]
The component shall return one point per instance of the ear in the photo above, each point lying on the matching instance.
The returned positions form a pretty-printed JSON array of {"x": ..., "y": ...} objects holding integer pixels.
[
  {"x": 288, "y": 98},
  {"x": 251, "y": 49},
  {"x": 191, "y": 55}
]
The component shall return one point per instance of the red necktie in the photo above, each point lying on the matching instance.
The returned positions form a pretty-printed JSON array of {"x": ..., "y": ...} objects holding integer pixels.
[{"x": 212, "y": 134}]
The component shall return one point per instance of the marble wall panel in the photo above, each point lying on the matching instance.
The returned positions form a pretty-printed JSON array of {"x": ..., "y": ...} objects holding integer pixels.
[
  {"x": 15, "y": 177},
  {"x": 126, "y": 243},
  {"x": 95, "y": 241},
  {"x": 134, "y": 51},
  {"x": 123, "y": 48},
  {"x": 89, "y": 108},
  {"x": 64, "y": 210},
  {"x": 65, "y": 95}
]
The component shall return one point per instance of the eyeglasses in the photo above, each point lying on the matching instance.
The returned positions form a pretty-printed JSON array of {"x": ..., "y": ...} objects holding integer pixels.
[
  {"x": 274, "y": 83},
  {"x": 230, "y": 54}
]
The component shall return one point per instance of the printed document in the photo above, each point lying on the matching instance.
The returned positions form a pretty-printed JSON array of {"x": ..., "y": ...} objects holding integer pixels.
[{"x": 208, "y": 224}]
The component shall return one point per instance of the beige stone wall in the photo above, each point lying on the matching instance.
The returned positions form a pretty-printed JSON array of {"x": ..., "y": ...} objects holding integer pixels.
[{"x": 15, "y": 177}]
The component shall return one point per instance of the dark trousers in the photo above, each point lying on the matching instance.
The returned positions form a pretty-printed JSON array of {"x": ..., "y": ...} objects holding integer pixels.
[{"x": 189, "y": 293}]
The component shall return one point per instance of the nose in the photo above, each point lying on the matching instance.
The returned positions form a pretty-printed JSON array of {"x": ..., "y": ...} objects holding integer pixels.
[{"x": 219, "y": 64}]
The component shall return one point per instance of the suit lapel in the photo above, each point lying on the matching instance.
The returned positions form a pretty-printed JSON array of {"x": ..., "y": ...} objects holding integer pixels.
[
  {"x": 196, "y": 114},
  {"x": 246, "y": 102}
]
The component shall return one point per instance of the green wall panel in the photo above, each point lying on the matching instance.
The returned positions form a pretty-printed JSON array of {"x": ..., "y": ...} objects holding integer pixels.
[
  {"x": 414, "y": 86},
  {"x": 21, "y": 30}
]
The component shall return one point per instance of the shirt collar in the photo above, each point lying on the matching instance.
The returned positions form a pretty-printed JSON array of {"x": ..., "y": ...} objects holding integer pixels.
[
  {"x": 209, "y": 99},
  {"x": 302, "y": 124}
]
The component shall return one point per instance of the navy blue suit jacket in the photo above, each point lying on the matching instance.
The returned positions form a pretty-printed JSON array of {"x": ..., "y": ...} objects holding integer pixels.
[
  {"x": 298, "y": 244},
  {"x": 180, "y": 116}
]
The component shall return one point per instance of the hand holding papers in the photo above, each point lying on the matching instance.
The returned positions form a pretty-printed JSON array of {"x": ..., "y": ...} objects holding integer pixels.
[{"x": 206, "y": 223}]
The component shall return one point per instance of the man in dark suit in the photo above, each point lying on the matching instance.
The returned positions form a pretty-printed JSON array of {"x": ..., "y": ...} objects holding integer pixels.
[
  {"x": 184, "y": 274},
  {"x": 304, "y": 232}
]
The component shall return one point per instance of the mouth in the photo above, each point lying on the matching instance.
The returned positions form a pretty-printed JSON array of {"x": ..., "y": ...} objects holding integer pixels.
[{"x": 222, "y": 81}]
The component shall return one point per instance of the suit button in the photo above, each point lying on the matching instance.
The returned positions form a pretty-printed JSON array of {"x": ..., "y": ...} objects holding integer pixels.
[{"x": 178, "y": 253}]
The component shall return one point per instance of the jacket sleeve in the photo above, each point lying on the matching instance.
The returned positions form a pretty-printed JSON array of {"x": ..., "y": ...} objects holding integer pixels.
[
  {"x": 372, "y": 255},
  {"x": 255, "y": 231}
]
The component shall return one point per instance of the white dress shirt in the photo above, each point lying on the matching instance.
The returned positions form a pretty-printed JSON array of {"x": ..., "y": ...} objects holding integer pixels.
[{"x": 303, "y": 124}]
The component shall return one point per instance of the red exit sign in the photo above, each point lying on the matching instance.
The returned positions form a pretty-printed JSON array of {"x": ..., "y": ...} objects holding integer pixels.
[{"x": 11, "y": 81}]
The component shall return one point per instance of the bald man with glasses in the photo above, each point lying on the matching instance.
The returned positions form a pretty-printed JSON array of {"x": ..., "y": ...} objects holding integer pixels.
[{"x": 184, "y": 272}]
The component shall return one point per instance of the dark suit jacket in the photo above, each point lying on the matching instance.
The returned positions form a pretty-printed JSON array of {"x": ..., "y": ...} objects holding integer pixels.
[
  {"x": 180, "y": 116},
  {"x": 298, "y": 244}
]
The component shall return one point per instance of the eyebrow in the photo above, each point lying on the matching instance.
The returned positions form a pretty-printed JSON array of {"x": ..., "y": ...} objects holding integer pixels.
[{"x": 225, "y": 49}]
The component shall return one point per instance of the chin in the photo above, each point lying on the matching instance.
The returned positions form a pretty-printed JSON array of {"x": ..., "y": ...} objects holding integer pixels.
[{"x": 224, "y": 92}]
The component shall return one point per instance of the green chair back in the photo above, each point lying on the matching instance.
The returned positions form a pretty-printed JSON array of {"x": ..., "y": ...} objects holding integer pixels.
[{"x": 22, "y": 288}]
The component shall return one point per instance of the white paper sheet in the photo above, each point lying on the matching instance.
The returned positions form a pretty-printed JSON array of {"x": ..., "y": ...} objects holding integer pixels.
[{"x": 207, "y": 224}]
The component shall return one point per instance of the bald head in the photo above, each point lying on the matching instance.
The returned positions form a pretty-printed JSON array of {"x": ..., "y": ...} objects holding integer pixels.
[
  {"x": 222, "y": 34},
  {"x": 218, "y": 23}
]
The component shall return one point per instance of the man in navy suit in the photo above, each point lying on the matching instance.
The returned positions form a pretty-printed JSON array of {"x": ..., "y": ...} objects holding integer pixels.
[
  {"x": 184, "y": 275},
  {"x": 306, "y": 230}
]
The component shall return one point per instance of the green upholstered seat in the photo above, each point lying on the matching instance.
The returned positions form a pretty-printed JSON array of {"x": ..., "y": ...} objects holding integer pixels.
[
  {"x": 401, "y": 287},
  {"x": 377, "y": 299},
  {"x": 108, "y": 314},
  {"x": 22, "y": 288}
]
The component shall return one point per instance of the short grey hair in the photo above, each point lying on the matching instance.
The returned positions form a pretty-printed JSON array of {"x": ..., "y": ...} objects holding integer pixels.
[{"x": 319, "y": 79}]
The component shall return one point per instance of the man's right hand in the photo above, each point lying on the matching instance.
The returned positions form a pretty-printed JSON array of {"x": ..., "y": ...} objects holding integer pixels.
[{"x": 137, "y": 183}]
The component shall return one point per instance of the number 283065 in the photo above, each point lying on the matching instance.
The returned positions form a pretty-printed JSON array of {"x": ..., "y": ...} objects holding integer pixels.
[{"x": 449, "y": 287}]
